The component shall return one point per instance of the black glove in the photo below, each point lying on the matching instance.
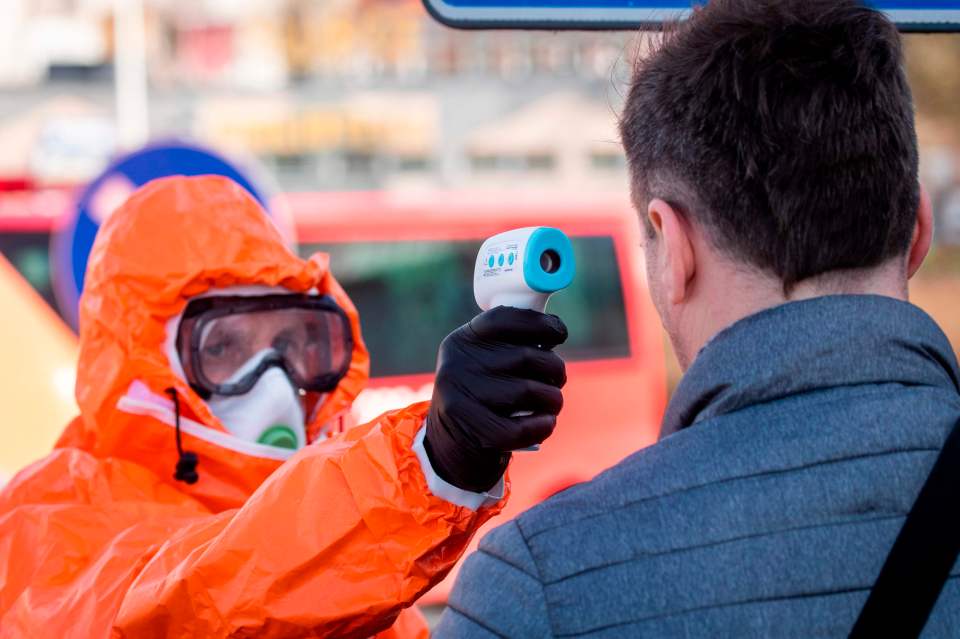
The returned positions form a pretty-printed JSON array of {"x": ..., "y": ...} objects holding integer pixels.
[{"x": 498, "y": 364}]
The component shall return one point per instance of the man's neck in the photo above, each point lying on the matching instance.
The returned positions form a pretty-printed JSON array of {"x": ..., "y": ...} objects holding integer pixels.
[{"x": 738, "y": 294}]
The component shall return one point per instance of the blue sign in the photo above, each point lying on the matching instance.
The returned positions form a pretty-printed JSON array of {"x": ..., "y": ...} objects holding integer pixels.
[
  {"x": 72, "y": 245},
  {"x": 910, "y": 15}
]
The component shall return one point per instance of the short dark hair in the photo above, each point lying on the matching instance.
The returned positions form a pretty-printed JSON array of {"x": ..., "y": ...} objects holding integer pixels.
[{"x": 784, "y": 128}]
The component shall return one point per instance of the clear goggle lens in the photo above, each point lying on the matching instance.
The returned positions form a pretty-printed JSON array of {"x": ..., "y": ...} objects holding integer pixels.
[{"x": 226, "y": 348}]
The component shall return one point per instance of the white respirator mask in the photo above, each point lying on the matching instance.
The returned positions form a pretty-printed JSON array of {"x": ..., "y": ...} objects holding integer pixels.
[{"x": 270, "y": 413}]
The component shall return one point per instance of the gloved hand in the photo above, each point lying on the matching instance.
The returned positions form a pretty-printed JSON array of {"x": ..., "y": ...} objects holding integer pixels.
[{"x": 498, "y": 364}]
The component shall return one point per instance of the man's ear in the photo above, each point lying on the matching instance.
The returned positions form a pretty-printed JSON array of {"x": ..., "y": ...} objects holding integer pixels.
[
  {"x": 676, "y": 256},
  {"x": 922, "y": 234}
]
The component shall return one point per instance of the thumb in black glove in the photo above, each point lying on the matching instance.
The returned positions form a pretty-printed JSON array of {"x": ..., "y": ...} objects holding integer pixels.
[{"x": 498, "y": 364}]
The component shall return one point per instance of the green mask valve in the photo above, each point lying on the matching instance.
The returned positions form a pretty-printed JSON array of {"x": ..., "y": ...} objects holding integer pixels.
[{"x": 279, "y": 436}]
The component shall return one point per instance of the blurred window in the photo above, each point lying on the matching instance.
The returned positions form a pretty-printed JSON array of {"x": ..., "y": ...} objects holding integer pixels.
[
  {"x": 29, "y": 253},
  {"x": 413, "y": 164},
  {"x": 535, "y": 162},
  {"x": 947, "y": 227},
  {"x": 293, "y": 171},
  {"x": 359, "y": 164},
  {"x": 288, "y": 162},
  {"x": 608, "y": 161},
  {"x": 541, "y": 162},
  {"x": 411, "y": 294},
  {"x": 483, "y": 163}
]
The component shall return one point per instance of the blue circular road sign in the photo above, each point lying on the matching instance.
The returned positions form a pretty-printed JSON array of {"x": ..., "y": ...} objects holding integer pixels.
[{"x": 72, "y": 244}]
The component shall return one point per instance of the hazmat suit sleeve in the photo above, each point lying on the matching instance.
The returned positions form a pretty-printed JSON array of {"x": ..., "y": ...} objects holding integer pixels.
[{"x": 336, "y": 542}]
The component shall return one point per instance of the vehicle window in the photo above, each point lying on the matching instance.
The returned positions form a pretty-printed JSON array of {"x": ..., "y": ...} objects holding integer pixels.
[
  {"x": 411, "y": 294},
  {"x": 29, "y": 254}
]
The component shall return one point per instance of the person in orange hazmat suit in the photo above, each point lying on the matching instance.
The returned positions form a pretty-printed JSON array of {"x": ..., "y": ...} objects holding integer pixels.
[{"x": 205, "y": 489}]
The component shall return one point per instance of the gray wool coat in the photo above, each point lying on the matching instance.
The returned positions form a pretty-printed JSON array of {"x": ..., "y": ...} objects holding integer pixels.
[{"x": 793, "y": 449}]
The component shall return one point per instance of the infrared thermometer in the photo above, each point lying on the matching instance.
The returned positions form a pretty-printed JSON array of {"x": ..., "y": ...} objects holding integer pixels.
[{"x": 522, "y": 268}]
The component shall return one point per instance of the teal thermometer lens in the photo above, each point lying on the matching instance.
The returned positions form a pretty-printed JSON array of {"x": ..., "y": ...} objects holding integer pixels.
[
  {"x": 523, "y": 268},
  {"x": 548, "y": 262}
]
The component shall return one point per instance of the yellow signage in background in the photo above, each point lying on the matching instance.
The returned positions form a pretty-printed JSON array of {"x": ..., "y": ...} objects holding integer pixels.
[
  {"x": 275, "y": 126},
  {"x": 37, "y": 378}
]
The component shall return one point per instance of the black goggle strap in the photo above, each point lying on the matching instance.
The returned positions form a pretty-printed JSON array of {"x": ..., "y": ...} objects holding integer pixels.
[{"x": 233, "y": 304}]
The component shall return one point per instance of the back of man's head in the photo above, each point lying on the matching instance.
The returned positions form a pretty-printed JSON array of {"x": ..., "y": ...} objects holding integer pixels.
[{"x": 784, "y": 129}]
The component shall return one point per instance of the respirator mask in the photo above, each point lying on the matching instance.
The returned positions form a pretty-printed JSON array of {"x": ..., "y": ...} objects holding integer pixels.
[{"x": 252, "y": 359}]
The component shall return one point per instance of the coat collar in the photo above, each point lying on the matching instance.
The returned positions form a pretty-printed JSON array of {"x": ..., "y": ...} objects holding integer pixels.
[{"x": 801, "y": 347}]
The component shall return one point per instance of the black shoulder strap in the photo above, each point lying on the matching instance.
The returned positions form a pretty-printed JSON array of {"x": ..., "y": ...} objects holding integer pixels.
[{"x": 925, "y": 550}]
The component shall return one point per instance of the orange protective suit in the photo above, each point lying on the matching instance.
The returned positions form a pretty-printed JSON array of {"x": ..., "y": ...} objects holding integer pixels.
[{"x": 99, "y": 540}]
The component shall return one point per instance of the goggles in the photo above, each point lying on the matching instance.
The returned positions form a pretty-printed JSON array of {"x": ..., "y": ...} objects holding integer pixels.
[{"x": 226, "y": 343}]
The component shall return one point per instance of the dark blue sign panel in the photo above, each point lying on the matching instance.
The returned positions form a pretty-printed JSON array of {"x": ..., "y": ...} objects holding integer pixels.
[
  {"x": 910, "y": 15},
  {"x": 72, "y": 245}
]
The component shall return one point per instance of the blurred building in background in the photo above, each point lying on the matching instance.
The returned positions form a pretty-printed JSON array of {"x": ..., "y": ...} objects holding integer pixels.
[
  {"x": 360, "y": 95},
  {"x": 327, "y": 95}
]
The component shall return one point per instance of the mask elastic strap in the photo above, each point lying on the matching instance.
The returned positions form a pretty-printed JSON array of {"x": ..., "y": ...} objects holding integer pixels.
[{"x": 187, "y": 459}]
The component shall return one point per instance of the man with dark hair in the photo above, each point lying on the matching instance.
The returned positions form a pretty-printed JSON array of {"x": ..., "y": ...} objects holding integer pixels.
[{"x": 773, "y": 158}]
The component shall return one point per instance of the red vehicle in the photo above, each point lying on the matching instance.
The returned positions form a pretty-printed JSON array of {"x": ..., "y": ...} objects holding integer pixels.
[{"x": 407, "y": 262}]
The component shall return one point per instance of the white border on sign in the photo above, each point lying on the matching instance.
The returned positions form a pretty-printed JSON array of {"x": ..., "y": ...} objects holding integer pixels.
[
  {"x": 607, "y": 16},
  {"x": 921, "y": 16},
  {"x": 554, "y": 15}
]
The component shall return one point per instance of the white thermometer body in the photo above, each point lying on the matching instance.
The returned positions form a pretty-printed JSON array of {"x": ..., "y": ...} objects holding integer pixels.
[{"x": 522, "y": 268}]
